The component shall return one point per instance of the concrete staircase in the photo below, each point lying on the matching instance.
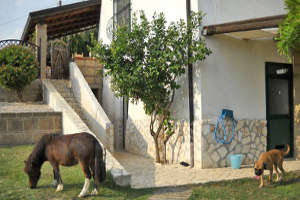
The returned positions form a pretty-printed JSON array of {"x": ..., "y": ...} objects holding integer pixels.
[{"x": 65, "y": 90}]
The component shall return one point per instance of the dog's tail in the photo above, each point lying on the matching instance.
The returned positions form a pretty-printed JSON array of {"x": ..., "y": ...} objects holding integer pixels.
[{"x": 287, "y": 150}]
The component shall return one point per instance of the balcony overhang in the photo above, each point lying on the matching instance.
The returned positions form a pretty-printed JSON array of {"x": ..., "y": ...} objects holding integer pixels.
[
  {"x": 264, "y": 27},
  {"x": 64, "y": 20}
]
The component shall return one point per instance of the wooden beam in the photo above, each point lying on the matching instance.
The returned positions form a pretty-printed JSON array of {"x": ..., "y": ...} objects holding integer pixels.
[
  {"x": 41, "y": 41},
  {"x": 68, "y": 18},
  {"x": 70, "y": 14},
  {"x": 72, "y": 21},
  {"x": 71, "y": 32},
  {"x": 66, "y": 28},
  {"x": 245, "y": 25}
]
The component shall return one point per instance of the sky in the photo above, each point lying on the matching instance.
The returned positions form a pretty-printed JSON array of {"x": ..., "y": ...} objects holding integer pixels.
[{"x": 14, "y": 13}]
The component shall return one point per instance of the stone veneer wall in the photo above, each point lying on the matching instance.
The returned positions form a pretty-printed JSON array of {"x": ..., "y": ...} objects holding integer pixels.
[
  {"x": 90, "y": 68},
  {"x": 32, "y": 92},
  {"x": 296, "y": 90},
  {"x": 139, "y": 141},
  {"x": 28, "y": 127},
  {"x": 250, "y": 141}
]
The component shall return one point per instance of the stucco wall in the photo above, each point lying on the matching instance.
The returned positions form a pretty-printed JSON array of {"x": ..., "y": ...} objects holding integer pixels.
[
  {"x": 169, "y": 7},
  {"x": 233, "y": 77},
  {"x": 112, "y": 106},
  {"x": 220, "y": 11}
]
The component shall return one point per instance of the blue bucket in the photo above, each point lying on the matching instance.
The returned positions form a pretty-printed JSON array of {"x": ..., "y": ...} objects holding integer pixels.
[{"x": 235, "y": 161}]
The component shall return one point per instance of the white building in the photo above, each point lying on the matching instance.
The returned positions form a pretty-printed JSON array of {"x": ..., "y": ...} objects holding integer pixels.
[{"x": 244, "y": 73}]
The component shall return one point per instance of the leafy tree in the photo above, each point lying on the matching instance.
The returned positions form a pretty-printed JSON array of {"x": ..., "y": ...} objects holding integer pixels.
[
  {"x": 289, "y": 30},
  {"x": 145, "y": 63},
  {"x": 18, "y": 68}
]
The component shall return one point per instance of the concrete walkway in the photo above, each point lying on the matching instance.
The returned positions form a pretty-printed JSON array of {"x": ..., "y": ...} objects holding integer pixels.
[
  {"x": 147, "y": 174},
  {"x": 174, "y": 193}
]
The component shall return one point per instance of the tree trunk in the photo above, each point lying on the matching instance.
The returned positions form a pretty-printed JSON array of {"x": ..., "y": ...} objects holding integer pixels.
[
  {"x": 157, "y": 157},
  {"x": 160, "y": 149},
  {"x": 20, "y": 95},
  {"x": 160, "y": 139}
]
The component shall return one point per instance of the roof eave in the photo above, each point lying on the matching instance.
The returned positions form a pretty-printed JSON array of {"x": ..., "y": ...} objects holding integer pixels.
[{"x": 36, "y": 15}]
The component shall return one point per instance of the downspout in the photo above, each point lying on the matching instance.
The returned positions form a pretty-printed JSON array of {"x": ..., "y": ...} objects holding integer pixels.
[
  {"x": 191, "y": 92},
  {"x": 125, "y": 100}
]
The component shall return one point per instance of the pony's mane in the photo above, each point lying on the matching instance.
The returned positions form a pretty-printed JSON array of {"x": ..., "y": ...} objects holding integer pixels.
[{"x": 38, "y": 154}]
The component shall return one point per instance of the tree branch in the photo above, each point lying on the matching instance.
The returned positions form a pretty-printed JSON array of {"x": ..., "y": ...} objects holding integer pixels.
[{"x": 168, "y": 137}]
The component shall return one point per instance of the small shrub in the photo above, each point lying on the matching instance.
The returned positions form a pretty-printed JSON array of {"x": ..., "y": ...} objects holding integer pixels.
[{"x": 18, "y": 68}]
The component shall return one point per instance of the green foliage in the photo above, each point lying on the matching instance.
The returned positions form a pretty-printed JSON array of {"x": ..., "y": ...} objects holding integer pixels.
[
  {"x": 145, "y": 63},
  {"x": 289, "y": 30},
  {"x": 18, "y": 68},
  {"x": 33, "y": 38},
  {"x": 80, "y": 42}
]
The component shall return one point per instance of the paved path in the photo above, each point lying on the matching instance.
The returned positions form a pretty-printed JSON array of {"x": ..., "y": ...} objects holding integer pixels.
[
  {"x": 174, "y": 193},
  {"x": 146, "y": 174}
]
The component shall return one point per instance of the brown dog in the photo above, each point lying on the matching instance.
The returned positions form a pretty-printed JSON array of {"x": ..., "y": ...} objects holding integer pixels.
[{"x": 268, "y": 160}]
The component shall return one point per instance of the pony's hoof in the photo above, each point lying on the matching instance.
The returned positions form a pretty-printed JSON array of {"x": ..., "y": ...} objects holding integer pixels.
[
  {"x": 260, "y": 186},
  {"x": 60, "y": 187},
  {"x": 82, "y": 195},
  {"x": 94, "y": 192}
]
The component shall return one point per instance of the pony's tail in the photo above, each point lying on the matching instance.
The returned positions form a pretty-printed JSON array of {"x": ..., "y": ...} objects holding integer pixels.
[{"x": 100, "y": 169}]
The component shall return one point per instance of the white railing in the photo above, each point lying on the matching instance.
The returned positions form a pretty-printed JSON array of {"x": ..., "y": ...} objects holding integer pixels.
[{"x": 97, "y": 118}]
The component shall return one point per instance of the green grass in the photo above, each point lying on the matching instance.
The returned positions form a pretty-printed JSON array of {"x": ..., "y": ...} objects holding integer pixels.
[
  {"x": 243, "y": 189},
  {"x": 14, "y": 182}
]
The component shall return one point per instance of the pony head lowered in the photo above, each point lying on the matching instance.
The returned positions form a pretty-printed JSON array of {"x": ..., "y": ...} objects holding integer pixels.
[
  {"x": 35, "y": 160},
  {"x": 33, "y": 173}
]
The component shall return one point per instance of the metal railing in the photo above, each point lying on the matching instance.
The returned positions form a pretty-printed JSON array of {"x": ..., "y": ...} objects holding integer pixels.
[{"x": 33, "y": 47}]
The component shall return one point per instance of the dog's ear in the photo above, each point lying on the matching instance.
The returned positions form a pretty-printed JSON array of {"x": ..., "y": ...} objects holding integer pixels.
[
  {"x": 254, "y": 165},
  {"x": 265, "y": 166}
]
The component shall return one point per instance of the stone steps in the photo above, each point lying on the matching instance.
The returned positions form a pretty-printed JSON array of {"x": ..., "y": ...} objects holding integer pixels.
[{"x": 64, "y": 88}]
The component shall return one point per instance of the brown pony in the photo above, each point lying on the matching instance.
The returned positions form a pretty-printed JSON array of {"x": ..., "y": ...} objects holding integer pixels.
[{"x": 67, "y": 150}]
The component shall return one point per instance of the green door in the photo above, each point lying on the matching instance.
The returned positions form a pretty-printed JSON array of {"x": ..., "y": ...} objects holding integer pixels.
[{"x": 279, "y": 101}]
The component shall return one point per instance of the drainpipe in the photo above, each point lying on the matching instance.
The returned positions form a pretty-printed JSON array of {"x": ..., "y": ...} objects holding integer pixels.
[{"x": 191, "y": 92}]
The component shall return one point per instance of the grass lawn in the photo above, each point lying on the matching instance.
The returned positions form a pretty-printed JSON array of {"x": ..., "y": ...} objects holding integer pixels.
[
  {"x": 14, "y": 182},
  {"x": 244, "y": 189}
]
